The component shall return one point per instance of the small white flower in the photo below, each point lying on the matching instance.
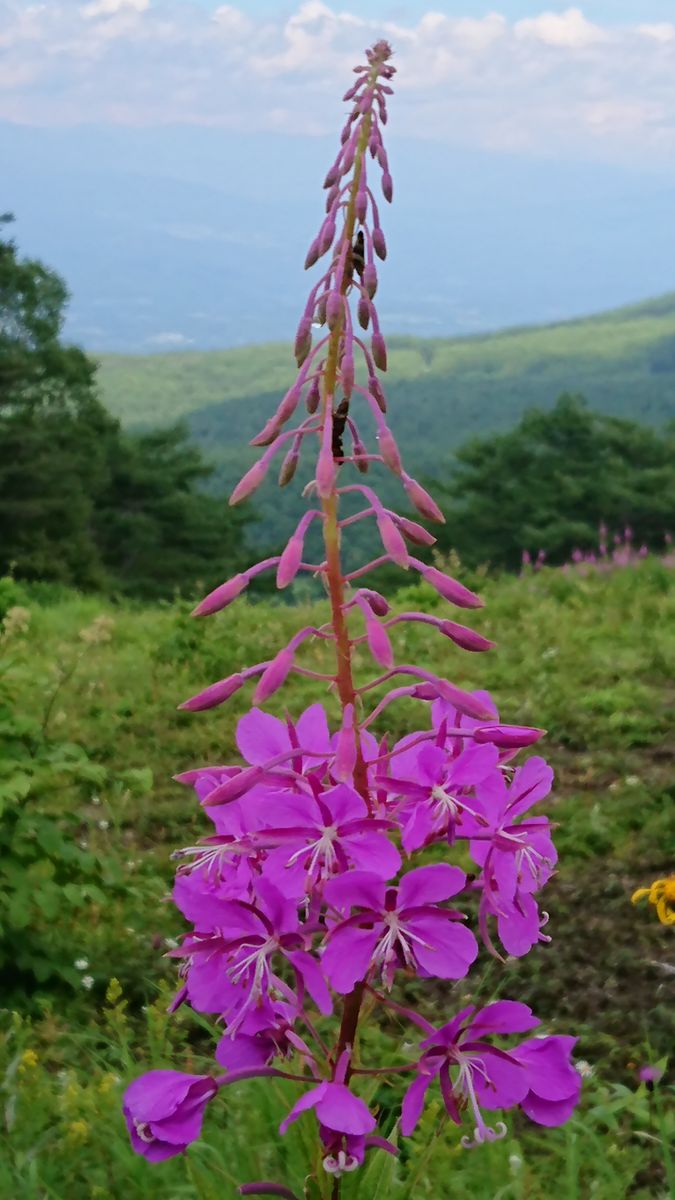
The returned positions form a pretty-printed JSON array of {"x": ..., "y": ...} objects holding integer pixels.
[
  {"x": 103, "y": 824},
  {"x": 81, "y": 964},
  {"x": 584, "y": 1068},
  {"x": 96, "y": 799},
  {"x": 515, "y": 1163},
  {"x": 84, "y": 845},
  {"x": 171, "y": 943},
  {"x": 87, "y": 982},
  {"x": 632, "y": 781}
]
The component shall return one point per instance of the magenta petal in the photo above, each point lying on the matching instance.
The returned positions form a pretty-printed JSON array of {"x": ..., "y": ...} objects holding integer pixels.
[
  {"x": 413, "y": 1103},
  {"x": 312, "y": 730},
  {"x": 309, "y": 1100},
  {"x": 158, "y": 1093},
  {"x": 427, "y": 885},
  {"x": 313, "y": 979},
  {"x": 506, "y": 1083},
  {"x": 348, "y": 956},
  {"x": 449, "y": 947},
  {"x": 357, "y": 889},
  {"x": 549, "y": 1069},
  {"x": 244, "y": 1051},
  {"x": 344, "y": 804},
  {"x": 375, "y": 851},
  {"x": 504, "y": 1016},
  {"x": 418, "y": 827},
  {"x": 548, "y": 1112},
  {"x": 519, "y": 930},
  {"x": 344, "y": 1112},
  {"x": 261, "y": 737}
]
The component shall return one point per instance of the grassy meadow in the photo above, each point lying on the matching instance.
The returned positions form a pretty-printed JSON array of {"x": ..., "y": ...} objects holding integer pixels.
[{"x": 90, "y": 738}]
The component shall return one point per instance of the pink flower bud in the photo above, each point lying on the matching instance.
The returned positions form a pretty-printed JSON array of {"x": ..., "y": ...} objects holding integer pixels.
[
  {"x": 363, "y": 312},
  {"x": 333, "y": 173},
  {"x": 370, "y": 279},
  {"x": 415, "y": 533},
  {"x": 375, "y": 389},
  {"x": 345, "y": 754},
  {"x": 378, "y": 643},
  {"x": 425, "y": 505},
  {"x": 289, "y": 563},
  {"x": 351, "y": 92},
  {"x": 289, "y": 466},
  {"x": 392, "y": 540},
  {"x": 468, "y": 639},
  {"x": 275, "y": 676},
  {"x": 382, "y": 159},
  {"x": 326, "y": 469},
  {"x": 332, "y": 196},
  {"x": 377, "y": 602},
  {"x": 507, "y": 737},
  {"x": 334, "y": 309},
  {"x": 379, "y": 243},
  {"x": 361, "y": 205},
  {"x": 267, "y": 434},
  {"x": 250, "y": 481},
  {"x": 215, "y": 694},
  {"x": 448, "y": 587},
  {"x": 388, "y": 448},
  {"x": 303, "y": 340},
  {"x": 379, "y": 351},
  {"x": 348, "y": 157},
  {"x": 312, "y": 254},
  {"x": 221, "y": 596},
  {"x": 463, "y": 701},
  {"x": 387, "y": 186},
  {"x": 347, "y": 374},
  {"x": 326, "y": 235},
  {"x": 320, "y": 314},
  {"x": 234, "y": 788},
  {"x": 313, "y": 396}
]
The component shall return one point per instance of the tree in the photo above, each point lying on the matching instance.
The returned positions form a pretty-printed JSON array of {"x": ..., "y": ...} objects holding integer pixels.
[
  {"x": 81, "y": 501},
  {"x": 551, "y": 480}
]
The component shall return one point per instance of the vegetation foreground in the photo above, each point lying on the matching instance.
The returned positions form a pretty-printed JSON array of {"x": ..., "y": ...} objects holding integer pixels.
[{"x": 88, "y": 816}]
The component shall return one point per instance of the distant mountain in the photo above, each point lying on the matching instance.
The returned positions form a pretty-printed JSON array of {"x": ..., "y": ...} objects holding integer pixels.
[{"x": 440, "y": 391}]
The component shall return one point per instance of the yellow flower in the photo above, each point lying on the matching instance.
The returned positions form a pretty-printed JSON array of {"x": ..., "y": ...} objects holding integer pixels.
[
  {"x": 78, "y": 1132},
  {"x": 661, "y": 894},
  {"x": 29, "y": 1060}
]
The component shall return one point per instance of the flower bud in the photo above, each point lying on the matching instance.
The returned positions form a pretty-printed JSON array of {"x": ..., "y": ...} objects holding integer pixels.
[
  {"x": 463, "y": 701},
  {"x": 392, "y": 540},
  {"x": 348, "y": 157},
  {"x": 377, "y": 602},
  {"x": 213, "y": 695},
  {"x": 363, "y": 312},
  {"x": 320, "y": 314},
  {"x": 387, "y": 186},
  {"x": 303, "y": 340},
  {"x": 333, "y": 173},
  {"x": 507, "y": 737},
  {"x": 370, "y": 279},
  {"x": 361, "y": 205},
  {"x": 326, "y": 469},
  {"x": 375, "y": 389},
  {"x": 382, "y": 158},
  {"x": 326, "y": 235},
  {"x": 389, "y": 449},
  {"x": 332, "y": 196},
  {"x": 448, "y": 587},
  {"x": 312, "y": 254},
  {"x": 345, "y": 753},
  {"x": 379, "y": 351},
  {"x": 289, "y": 563},
  {"x": 221, "y": 596},
  {"x": 313, "y": 396},
  {"x": 250, "y": 481},
  {"x": 425, "y": 505},
  {"x": 289, "y": 467},
  {"x": 347, "y": 374},
  {"x": 378, "y": 643},
  {"x": 415, "y": 533},
  {"x": 351, "y": 92},
  {"x": 275, "y": 676},
  {"x": 379, "y": 243},
  {"x": 334, "y": 309},
  {"x": 234, "y": 788},
  {"x": 468, "y": 639}
]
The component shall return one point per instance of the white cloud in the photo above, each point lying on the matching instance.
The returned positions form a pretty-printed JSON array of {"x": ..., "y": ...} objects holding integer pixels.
[
  {"x": 554, "y": 83},
  {"x": 569, "y": 30},
  {"x": 169, "y": 340},
  {"x": 110, "y": 8}
]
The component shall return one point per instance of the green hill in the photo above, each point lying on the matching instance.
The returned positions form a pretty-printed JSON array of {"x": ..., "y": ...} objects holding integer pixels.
[{"x": 440, "y": 391}]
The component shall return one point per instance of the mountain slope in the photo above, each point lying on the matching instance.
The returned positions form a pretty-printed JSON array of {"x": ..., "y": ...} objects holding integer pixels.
[{"x": 440, "y": 391}]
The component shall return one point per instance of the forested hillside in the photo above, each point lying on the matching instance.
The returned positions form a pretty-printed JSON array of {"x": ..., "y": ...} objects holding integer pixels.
[{"x": 441, "y": 391}]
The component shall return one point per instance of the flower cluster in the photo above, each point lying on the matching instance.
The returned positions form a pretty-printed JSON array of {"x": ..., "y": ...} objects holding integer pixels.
[{"x": 303, "y": 900}]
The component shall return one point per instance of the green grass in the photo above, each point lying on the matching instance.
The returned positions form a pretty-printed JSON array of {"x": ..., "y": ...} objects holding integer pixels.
[{"x": 89, "y": 723}]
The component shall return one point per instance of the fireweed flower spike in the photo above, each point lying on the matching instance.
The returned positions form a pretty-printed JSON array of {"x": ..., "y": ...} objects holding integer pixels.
[{"x": 302, "y": 898}]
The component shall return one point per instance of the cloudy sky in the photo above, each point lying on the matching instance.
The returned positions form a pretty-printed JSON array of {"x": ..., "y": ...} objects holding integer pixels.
[{"x": 537, "y": 96}]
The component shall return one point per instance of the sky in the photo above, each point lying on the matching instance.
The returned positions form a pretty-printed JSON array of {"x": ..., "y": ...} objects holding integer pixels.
[{"x": 527, "y": 139}]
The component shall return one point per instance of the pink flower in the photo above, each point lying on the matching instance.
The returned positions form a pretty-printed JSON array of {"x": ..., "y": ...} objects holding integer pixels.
[
  {"x": 164, "y": 1111},
  {"x": 397, "y": 927}
]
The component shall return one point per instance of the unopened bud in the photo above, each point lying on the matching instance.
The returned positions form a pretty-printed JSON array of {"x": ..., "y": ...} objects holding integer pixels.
[
  {"x": 392, "y": 540},
  {"x": 415, "y": 533},
  {"x": 370, "y": 279},
  {"x": 312, "y": 254},
  {"x": 388, "y": 448},
  {"x": 449, "y": 588},
  {"x": 424, "y": 503},
  {"x": 334, "y": 308},
  {"x": 234, "y": 788},
  {"x": 379, "y": 351},
  {"x": 379, "y": 243},
  {"x": 275, "y": 675},
  {"x": 326, "y": 235},
  {"x": 468, "y": 639},
  {"x": 289, "y": 563},
  {"x": 387, "y": 186},
  {"x": 213, "y": 695},
  {"x": 313, "y": 396},
  {"x": 221, "y": 596},
  {"x": 303, "y": 340},
  {"x": 345, "y": 754},
  {"x": 288, "y": 467},
  {"x": 361, "y": 205},
  {"x": 378, "y": 643},
  {"x": 375, "y": 389},
  {"x": 507, "y": 737},
  {"x": 347, "y": 374},
  {"x": 250, "y": 481},
  {"x": 363, "y": 312}
]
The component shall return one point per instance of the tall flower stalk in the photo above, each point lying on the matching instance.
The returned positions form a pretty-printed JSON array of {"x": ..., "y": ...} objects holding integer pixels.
[{"x": 300, "y": 899}]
